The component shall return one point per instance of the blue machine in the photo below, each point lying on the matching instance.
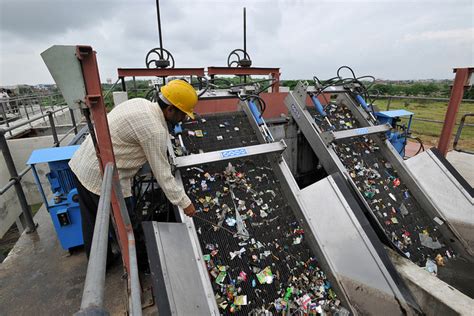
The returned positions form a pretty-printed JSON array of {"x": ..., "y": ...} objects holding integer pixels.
[
  {"x": 399, "y": 134},
  {"x": 64, "y": 206}
]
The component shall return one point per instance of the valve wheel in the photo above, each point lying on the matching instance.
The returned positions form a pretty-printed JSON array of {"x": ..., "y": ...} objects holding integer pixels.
[
  {"x": 159, "y": 58},
  {"x": 238, "y": 58}
]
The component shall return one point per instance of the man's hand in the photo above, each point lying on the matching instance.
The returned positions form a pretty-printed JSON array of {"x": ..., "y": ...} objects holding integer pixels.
[{"x": 190, "y": 210}]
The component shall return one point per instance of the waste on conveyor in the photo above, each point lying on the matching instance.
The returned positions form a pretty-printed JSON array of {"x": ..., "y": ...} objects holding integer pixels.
[
  {"x": 254, "y": 247},
  {"x": 404, "y": 221}
]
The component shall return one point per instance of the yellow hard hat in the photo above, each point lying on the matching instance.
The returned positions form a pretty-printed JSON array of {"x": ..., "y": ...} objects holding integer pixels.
[{"x": 182, "y": 95}]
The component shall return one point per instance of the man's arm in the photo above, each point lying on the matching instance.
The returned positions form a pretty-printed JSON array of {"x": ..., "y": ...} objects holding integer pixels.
[{"x": 156, "y": 153}]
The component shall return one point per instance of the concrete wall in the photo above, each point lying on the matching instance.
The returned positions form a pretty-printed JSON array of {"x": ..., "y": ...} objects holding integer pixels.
[{"x": 21, "y": 150}]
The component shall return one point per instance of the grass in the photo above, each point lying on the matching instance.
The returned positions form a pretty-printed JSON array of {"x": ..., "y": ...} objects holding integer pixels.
[{"x": 428, "y": 131}]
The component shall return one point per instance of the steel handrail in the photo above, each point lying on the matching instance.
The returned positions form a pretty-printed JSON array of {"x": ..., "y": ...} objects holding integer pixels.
[
  {"x": 458, "y": 134},
  {"x": 32, "y": 120},
  {"x": 94, "y": 286}
]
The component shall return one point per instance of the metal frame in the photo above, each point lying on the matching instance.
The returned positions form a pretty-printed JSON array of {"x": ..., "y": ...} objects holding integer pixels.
[
  {"x": 228, "y": 154},
  {"x": 247, "y": 71},
  {"x": 105, "y": 154},
  {"x": 296, "y": 104},
  {"x": 156, "y": 72},
  {"x": 460, "y": 82},
  {"x": 331, "y": 136},
  {"x": 198, "y": 253}
]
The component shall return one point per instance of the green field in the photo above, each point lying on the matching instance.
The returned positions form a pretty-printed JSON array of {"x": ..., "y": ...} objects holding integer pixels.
[{"x": 433, "y": 110}]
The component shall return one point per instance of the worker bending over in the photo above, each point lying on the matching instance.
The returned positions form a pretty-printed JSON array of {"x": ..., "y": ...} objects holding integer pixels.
[{"x": 139, "y": 133}]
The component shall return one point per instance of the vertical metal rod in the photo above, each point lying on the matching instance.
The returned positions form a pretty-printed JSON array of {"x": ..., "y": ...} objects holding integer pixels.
[
  {"x": 457, "y": 92},
  {"x": 27, "y": 116},
  {"x": 5, "y": 118},
  {"x": 245, "y": 40},
  {"x": 53, "y": 129},
  {"x": 41, "y": 110},
  {"x": 73, "y": 120},
  {"x": 124, "y": 87},
  {"x": 159, "y": 26},
  {"x": 245, "y": 33},
  {"x": 93, "y": 295},
  {"x": 135, "y": 87},
  {"x": 135, "y": 305},
  {"x": 18, "y": 188},
  {"x": 388, "y": 103}
]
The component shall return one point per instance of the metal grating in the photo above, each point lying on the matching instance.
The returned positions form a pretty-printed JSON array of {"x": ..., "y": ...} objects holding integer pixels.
[
  {"x": 276, "y": 239},
  {"x": 396, "y": 210}
]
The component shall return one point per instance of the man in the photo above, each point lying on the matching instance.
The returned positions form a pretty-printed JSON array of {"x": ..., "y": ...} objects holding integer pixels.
[{"x": 139, "y": 133}]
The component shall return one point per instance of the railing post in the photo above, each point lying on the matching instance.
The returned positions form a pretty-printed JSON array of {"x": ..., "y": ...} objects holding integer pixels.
[
  {"x": 31, "y": 227},
  {"x": 73, "y": 121},
  {"x": 53, "y": 128},
  {"x": 5, "y": 118},
  {"x": 27, "y": 116},
  {"x": 388, "y": 103},
  {"x": 41, "y": 110}
]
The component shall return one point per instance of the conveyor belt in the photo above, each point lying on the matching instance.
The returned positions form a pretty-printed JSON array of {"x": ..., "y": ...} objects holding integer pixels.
[
  {"x": 276, "y": 238},
  {"x": 396, "y": 209}
]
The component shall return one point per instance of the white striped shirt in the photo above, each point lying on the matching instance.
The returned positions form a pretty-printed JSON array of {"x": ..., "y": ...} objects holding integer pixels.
[{"x": 139, "y": 134}]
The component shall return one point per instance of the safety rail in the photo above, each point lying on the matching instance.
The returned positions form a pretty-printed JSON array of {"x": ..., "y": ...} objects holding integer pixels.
[
  {"x": 404, "y": 97},
  {"x": 458, "y": 134},
  {"x": 15, "y": 177},
  {"x": 94, "y": 288},
  {"x": 16, "y": 108}
]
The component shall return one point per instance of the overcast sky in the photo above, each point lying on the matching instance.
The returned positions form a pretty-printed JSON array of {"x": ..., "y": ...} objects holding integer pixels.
[{"x": 396, "y": 39}]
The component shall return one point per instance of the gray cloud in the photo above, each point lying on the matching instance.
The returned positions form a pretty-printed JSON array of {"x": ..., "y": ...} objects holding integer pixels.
[{"x": 388, "y": 39}]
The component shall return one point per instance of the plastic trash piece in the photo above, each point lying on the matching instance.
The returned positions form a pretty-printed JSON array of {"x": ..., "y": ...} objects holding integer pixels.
[
  {"x": 403, "y": 210},
  {"x": 439, "y": 260},
  {"x": 431, "y": 266},
  {"x": 236, "y": 253},
  {"x": 242, "y": 276},
  {"x": 265, "y": 276},
  {"x": 220, "y": 278},
  {"x": 392, "y": 196},
  {"x": 396, "y": 182},
  {"x": 198, "y": 133},
  {"x": 438, "y": 220},
  {"x": 240, "y": 300},
  {"x": 427, "y": 241},
  {"x": 230, "y": 221}
]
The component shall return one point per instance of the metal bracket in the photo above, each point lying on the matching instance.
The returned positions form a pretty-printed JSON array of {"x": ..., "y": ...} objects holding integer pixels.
[
  {"x": 228, "y": 154},
  {"x": 331, "y": 136},
  {"x": 299, "y": 93}
]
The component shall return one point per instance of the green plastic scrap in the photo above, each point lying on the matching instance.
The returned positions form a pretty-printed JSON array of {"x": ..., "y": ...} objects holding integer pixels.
[{"x": 220, "y": 278}]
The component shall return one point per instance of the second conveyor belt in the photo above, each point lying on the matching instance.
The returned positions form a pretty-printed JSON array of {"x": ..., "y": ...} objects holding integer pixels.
[{"x": 402, "y": 213}]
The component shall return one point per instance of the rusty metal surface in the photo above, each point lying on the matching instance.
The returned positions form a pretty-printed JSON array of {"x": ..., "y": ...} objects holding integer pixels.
[
  {"x": 159, "y": 72},
  {"x": 457, "y": 92},
  {"x": 105, "y": 154}
]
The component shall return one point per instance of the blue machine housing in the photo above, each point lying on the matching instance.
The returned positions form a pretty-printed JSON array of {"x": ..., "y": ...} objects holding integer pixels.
[
  {"x": 398, "y": 135},
  {"x": 63, "y": 207}
]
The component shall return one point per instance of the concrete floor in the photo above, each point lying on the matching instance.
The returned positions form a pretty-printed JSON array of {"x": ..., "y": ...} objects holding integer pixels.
[{"x": 40, "y": 278}]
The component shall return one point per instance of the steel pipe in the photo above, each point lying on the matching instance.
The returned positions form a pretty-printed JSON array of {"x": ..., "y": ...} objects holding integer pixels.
[
  {"x": 31, "y": 226},
  {"x": 93, "y": 296}
]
